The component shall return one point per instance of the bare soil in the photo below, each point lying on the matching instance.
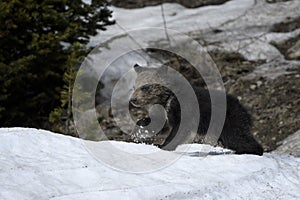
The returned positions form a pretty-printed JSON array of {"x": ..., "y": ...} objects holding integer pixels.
[
  {"x": 273, "y": 103},
  {"x": 142, "y": 3}
]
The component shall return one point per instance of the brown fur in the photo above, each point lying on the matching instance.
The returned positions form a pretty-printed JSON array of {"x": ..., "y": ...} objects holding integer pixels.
[{"x": 236, "y": 131}]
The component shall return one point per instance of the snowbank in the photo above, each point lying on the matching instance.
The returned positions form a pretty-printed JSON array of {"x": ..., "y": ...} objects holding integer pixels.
[{"x": 37, "y": 164}]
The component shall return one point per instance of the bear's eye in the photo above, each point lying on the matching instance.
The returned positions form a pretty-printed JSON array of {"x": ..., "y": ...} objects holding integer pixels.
[{"x": 145, "y": 88}]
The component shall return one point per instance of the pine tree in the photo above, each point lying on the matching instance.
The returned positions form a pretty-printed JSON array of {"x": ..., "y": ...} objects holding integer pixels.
[
  {"x": 61, "y": 116},
  {"x": 37, "y": 40}
]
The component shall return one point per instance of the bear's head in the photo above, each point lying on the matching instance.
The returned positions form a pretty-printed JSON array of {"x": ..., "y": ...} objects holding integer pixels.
[{"x": 149, "y": 90}]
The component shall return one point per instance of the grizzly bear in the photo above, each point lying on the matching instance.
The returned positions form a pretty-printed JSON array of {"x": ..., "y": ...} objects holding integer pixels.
[{"x": 236, "y": 132}]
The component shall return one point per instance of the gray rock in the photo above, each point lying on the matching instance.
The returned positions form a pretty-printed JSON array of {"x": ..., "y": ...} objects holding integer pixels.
[
  {"x": 290, "y": 145},
  {"x": 294, "y": 51}
]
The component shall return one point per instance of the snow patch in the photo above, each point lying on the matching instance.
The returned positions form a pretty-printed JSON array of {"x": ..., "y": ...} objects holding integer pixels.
[{"x": 38, "y": 164}]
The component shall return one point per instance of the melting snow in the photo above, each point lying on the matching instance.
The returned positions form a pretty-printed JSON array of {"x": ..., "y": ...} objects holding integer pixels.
[{"x": 38, "y": 164}]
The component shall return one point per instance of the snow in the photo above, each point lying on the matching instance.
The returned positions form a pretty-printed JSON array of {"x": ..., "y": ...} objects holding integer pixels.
[
  {"x": 38, "y": 164},
  {"x": 178, "y": 17},
  {"x": 244, "y": 25}
]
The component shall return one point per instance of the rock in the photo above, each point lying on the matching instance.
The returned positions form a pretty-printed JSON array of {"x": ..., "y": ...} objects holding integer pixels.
[
  {"x": 290, "y": 145},
  {"x": 294, "y": 52},
  {"x": 253, "y": 87},
  {"x": 259, "y": 83}
]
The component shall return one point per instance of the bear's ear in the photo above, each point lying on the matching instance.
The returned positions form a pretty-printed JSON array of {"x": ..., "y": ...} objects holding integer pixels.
[{"x": 137, "y": 68}]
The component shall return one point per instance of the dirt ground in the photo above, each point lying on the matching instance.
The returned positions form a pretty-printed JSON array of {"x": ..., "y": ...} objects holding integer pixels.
[
  {"x": 143, "y": 3},
  {"x": 273, "y": 103}
]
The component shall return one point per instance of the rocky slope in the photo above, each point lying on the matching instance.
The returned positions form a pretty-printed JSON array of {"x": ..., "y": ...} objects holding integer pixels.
[{"x": 255, "y": 45}]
